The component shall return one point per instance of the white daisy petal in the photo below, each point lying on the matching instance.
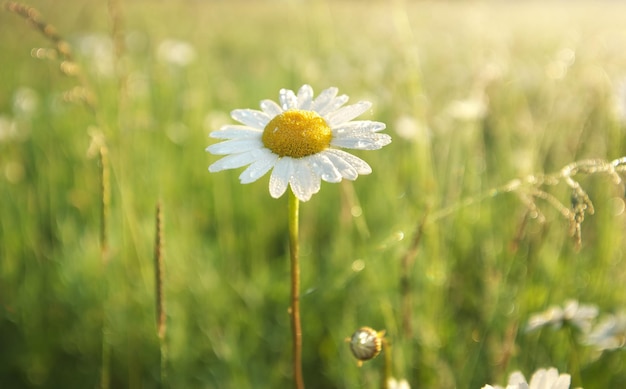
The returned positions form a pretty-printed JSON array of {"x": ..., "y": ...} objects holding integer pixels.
[
  {"x": 323, "y": 167},
  {"x": 271, "y": 108},
  {"x": 324, "y": 99},
  {"x": 235, "y": 132},
  {"x": 283, "y": 169},
  {"x": 348, "y": 113},
  {"x": 346, "y": 170},
  {"x": 235, "y": 146},
  {"x": 259, "y": 167},
  {"x": 304, "y": 182},
  {"x": 234, "y": 161},
  {"x": 541, "y": 379},
  {"x": 288, "y": 99},
  {"x": 251, "y": 117},
  {"x": 357, "y": 163},
  {"x": 333, "y": 105},
  {"x": 563, "y": 382},
  {"x": 358, "y": 127},
  {"x": 372, "y": 141},
  {"x": 516, "y": 378},
  {"x": 549, "y": 378},
  {"x": 305, "y": 97}
]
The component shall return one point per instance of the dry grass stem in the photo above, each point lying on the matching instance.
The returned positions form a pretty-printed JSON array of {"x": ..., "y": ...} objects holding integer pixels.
[
  {"x": 159, "y": 273},
  {"x": 105, "y": 201}
]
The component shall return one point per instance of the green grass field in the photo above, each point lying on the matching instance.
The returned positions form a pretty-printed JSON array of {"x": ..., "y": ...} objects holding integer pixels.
[{"x": 438, "y": 246}]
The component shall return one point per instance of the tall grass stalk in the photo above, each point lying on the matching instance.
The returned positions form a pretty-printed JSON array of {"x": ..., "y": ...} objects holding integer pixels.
[
  {"x": 105, "y": 202},
  {"x": 159, "y": 293}
]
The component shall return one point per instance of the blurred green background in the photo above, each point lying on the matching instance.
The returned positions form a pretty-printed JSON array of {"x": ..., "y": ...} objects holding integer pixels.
[{"x": 474, "y": 94}]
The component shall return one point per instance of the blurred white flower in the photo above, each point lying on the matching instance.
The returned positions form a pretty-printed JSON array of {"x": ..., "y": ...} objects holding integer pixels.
[
  {"x": 99, "y": 51},
  {"x": 471, "y": 109},
  {"x": 138, "y": 85},
  {"x": 177, "y": 132},
  {"x": 176, "y": 52},
  {"x": 541, "y": 379},
  {"x": 8, "y": 128},
  {"x": 409, "y": 128},
  {"x": 620, "y": 101},
  {"x": 609, "y": 334},
  {"x": 573, "y": 313},
  {"x": 25, "y": 102},
  {"x": 392, "y": 383}
]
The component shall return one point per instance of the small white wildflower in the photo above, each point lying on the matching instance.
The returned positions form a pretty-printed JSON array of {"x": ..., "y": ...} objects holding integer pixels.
[
  {"x": 471, "y": 109},
  {"x": 411, "y": 129},
  {"x": 176, "y": 52},
  {"x": 573, "y": 313},
  {"x": 99, "y": 51},
  {"x": 25, "y": 102},
  {"x": 392, "y": 383},
  {"x": 580, "y": 315},
  {"x": 8, "y": 129},
  {"x": 552, "y": 316},
  {"x": 609, "y": 334},
  {"x": 541, "y": 379}
]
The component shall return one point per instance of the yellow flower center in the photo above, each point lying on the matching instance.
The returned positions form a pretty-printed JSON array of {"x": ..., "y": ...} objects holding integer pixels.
[{"x": 297, "y": 133}]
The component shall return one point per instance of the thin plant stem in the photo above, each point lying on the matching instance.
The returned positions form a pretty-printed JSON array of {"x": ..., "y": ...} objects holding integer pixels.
[
  {"x": 387, "y": 365},
  {"x": 574, "y": 362},
  {"x": 105, "y": 371},
  {"x": 405, "y": 280},
  {"x": 161, "y": 316},
  {"x": 293, "y": 209},
  {"x": 105, "y": 201}
]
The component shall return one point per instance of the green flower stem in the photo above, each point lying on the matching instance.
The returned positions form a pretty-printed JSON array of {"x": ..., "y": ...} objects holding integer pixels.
[
  {"x": 294, "y": 310},
  {"x": 387, "y": 365},
  {"x": 574, "y": 363}
]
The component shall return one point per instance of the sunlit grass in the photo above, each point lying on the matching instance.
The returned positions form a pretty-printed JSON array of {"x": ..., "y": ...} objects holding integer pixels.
[{"x": 474, "y": 95}]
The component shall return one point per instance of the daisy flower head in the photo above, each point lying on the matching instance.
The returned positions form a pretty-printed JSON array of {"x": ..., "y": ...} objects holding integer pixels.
[{"x": 299, "y": 139}]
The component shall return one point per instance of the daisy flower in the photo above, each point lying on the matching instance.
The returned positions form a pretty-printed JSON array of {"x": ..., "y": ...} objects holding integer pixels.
[
  {"x": 298, "y": 138},
  {"x": 541, "y": 379},
  {"x": 573, "y": 313}
]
